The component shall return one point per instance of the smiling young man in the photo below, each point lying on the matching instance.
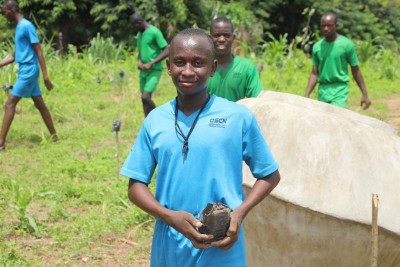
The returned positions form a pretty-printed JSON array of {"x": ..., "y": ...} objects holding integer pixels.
[
  {"x": 236, "y": 77},
  {"x": 198, "y": 143},
  {"x": 28, "y": 53},
  {"x": 330, "y": 59}
]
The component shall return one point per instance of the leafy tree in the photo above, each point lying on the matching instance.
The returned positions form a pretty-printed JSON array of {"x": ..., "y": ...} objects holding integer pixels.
[
  {"x": 81, "y": 20},
  {"x": 364, "y": 20},
  {"x": 70, "y": 17}
]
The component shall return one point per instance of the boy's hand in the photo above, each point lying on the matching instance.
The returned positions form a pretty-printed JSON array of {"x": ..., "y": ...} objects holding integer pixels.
[
  {"x": 147, "y": 66},
  {"x": 365, "y": 102},
  {"x": 49, "y": 85},
  {"x": 232, "y": 234},
  {"x": 187, "y": 224}
]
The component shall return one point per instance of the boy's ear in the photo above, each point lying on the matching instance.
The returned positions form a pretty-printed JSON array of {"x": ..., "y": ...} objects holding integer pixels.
[
  {"x": 213, "y": 67},
  {"x": 168, "y": 67}
]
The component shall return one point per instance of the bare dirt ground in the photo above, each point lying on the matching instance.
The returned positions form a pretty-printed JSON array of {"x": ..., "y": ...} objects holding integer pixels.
[
  {"x": 113, "y": 250},
  {"x": 390, "y": 114},
  {"x": 393, "y": 113}
]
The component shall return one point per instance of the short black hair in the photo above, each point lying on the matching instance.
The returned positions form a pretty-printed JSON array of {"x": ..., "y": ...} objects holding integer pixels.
[
  {"x": 221, "y": 19},
  {"x": 330, "y": 13},
  {"x": 191, "y": 32},
  {"x": 11, "y": 4},
  {"x": 135, "y": 17}
]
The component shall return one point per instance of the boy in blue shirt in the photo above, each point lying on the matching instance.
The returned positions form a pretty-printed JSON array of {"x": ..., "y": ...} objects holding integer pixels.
[
  {"x": 198, "y": 143},
  {"x": 27, "y": 54}
]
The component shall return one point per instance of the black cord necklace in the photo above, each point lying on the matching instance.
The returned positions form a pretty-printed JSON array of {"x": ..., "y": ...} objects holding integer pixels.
[{"x": 178, "y": 129}]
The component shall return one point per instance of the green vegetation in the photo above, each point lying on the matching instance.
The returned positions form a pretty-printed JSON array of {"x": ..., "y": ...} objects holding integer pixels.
[
  {"x": 80, "y": 21},
  {"x": 61, "y": 203}
]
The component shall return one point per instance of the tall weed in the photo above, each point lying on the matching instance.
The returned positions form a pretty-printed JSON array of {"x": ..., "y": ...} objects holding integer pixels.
[
  {"x": 104, "y": 50},
  {"x": 366, "y": 50}
]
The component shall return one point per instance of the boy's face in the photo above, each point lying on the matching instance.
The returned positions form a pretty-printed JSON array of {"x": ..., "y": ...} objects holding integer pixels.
[
  {"x": 8, "y": 13},
  {"x": 191, "y": 63},
  {"x": 328, "y": 26},
  {"x": 138, "y": 25},
  {"x": 223, "y": 37}
]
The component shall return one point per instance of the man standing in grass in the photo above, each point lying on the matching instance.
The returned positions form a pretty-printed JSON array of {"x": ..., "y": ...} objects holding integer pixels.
[
  {"x": 330, "y": 59},
  {"x": 236, "y": 77},
  {"x": 179, "y": 138},
  {"x": 27, "y": 54},
  {"x": 153, "y": 48}
]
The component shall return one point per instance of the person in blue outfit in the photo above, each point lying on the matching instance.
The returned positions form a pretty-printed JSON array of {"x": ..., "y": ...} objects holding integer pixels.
[
  {"x": 27, "y": 54},
  {"x": 198, "y": 143}
]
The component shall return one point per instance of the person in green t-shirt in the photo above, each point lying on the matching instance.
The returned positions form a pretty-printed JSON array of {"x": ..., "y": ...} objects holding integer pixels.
[
  {"x": 330, "y": 59},
  {"x": 236, "y": 77},
  {"x": 153, "y": 48}
]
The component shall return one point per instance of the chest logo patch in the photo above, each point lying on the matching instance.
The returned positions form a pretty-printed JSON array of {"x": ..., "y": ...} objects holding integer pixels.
[
  {"x": 218, "y": 122},
  {"x": 236, "y": 75}
]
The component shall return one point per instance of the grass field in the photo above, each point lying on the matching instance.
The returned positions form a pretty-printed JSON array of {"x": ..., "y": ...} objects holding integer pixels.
[{"x": 63, "y": 204}]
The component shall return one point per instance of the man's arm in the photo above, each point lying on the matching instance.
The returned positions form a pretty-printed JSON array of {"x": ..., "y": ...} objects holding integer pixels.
[
  {"x": 7, "y": 60},
  {"x": 261, "y": 189},
  {"x": 139, "y": 61},
  {"x": 181, "y": 221},
  {"x": 365, "y": 102},
  {"x": 160, "y": 57},
  {"x": 43, "y": 67},
  {"x": 312, "y": 81}
]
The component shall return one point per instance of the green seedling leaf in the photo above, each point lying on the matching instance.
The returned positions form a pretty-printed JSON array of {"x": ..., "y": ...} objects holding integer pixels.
[
  {"x": 46, "y": 193},
  {"x": 33, "y": 224}
]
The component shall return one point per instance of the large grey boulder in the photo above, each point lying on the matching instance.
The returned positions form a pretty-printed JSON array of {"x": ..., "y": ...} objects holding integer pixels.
[{"x": 331, "y": 161}]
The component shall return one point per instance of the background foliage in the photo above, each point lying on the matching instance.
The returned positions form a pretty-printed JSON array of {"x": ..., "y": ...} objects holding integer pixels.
[{"x": 81, "y": 20}]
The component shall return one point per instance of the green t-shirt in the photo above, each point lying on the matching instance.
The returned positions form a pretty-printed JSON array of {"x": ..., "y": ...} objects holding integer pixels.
[
  {"x": 332, "y": 59},
  {"x": 150, "y": 43},
  {"x": 238, "y": 81}
]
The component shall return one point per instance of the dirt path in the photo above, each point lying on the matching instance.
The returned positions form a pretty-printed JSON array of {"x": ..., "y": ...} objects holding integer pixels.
[
  {"x": 389, "y": 112},
  {"x": 393, "y": 112}
]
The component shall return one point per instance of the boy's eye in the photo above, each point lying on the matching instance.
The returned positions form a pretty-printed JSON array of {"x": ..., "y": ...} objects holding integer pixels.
[
  {"x": 178, "y": 62},
  {"x": 225, "y": 35},
  {"x": 198, "y": 63}
]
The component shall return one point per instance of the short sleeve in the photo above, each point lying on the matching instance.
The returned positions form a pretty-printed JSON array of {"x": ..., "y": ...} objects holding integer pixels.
[
  {"x": 161, "y": 42},
  {"x": 314, "y": 57},
  {"x": 253, "y": 86},
  {"x": 256, "y": 152},
  {"x": 352, "y": 55},
  {"x": 140, "y": 163},
  {"x": 33, "y": 37}
]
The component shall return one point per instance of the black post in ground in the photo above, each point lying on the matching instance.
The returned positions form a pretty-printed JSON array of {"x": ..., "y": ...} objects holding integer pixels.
[{"x": 115, "y": 128}]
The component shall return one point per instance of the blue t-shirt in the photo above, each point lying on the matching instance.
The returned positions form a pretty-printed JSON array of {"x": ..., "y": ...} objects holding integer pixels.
[
  {"x": 25, "y": 36},
  {"x": 226, "y": 134}
]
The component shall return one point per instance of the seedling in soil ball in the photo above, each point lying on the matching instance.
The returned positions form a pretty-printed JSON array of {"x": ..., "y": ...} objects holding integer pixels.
[
  {"x": 215, "y": 218},
  {"x": 116, "y": 125}
]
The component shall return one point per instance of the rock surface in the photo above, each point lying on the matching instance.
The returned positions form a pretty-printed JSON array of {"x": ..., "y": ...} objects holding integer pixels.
[{"x": 331, "y": 161}]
